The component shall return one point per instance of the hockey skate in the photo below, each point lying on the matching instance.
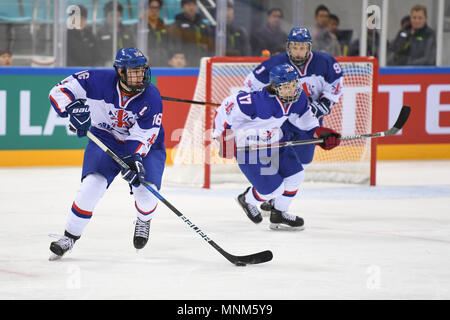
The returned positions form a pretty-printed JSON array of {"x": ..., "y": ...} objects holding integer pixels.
[
  {"x": 60, "y": 247},
  {"x": 141, "y": 233},
  {"x": 266, "y": 208},
  {"x": 251, "y": 210},
  {"x": 284, "y": 221}
]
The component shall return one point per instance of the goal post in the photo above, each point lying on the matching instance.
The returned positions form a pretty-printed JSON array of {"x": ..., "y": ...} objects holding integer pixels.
[{"x": 196, "y": 161}]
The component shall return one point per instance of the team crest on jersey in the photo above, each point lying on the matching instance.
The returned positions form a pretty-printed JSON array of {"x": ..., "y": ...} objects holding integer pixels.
[
  {"x": 265, "y": 136},
  {"x": 120, "y": 119},
  {"x": 269, "y": 134},
  {"x": 229, "y": 107},
  {"x": 273, "y": 134}
]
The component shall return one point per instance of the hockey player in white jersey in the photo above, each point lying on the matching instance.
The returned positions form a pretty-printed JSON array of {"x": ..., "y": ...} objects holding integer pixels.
[
  {"x": 257, "y": 118},
  {"x": 320, "y": 77},
  {"x": 125, "y": 111},
  {"x": 320, "y": 73}
]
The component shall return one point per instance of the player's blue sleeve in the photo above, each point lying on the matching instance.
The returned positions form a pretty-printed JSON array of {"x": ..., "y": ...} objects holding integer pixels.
[
  {"x": 245, "y": 102},
  {"x": 145, "y": 131},
  {"x": 334, "y": 70},
  {"x": 66, "y": 92},
  {"x": 262, "y": 72}
]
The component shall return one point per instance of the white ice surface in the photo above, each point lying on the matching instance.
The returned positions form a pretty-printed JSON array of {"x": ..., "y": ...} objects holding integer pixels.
[{"x": 386, "y": 242}]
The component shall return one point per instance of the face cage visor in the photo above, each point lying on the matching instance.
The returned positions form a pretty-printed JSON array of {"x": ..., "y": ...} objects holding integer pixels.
[
  {"x": 136, "y": 88},
  {"x": 288, "y": 92},
  {"x": 298, "y": 61}
]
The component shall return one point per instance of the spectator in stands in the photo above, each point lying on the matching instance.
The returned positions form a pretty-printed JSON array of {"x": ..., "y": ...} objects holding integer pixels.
[
  {"x": 271, "y": 36},
  {"x": 194, "y": 34},
  {"x": 405, "y": 27},
  {"x": 125, "y": 36},
  {"x": 177, "y": 58},
  {"x": 81, "y": 42},
  {"x": 405, "y": 23},
  {"x": 322, "y": 39},
  {"x": 158, "y": 35},
  {"x": 416, "y": 46},
  {"x": 343, "y": 36},
  {"x": 5, "y": 58},
  {"x": 238, "y": 43}
]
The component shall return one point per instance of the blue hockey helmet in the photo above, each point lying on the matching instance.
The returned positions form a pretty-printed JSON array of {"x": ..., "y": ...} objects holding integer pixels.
[
  {"x": 298, "y": 34},
  {"x": 285, "y": 81},
  {"x": 132, "y": 58}
]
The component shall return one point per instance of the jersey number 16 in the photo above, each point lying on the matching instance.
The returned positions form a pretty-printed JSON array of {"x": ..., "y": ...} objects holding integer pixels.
[{"x": 157, "y": 119}]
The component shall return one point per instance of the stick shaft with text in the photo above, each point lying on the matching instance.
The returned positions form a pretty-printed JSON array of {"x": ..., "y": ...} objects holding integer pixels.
[{"x": 260, "y": 257}]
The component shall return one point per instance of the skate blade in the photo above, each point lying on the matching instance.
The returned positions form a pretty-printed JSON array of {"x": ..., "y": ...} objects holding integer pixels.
[{"x": 279, "y": 226}]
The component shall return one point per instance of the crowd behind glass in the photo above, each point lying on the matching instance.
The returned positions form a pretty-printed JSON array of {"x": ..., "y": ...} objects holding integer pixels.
[{"x": 180, "y": 38}]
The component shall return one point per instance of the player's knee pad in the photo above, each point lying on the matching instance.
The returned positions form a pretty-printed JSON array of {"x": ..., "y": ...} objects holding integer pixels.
[
  {"x": 145, "y": 201},
  {"x": 91, "y": 190}
]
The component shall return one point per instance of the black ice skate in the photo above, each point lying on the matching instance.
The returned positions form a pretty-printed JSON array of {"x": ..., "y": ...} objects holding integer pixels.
[
  {"x": 266, "y": 208},
  {"x": 251, "y": 210},
  {"x": 64, "y": 244},
  {"x": 284, "y": 221},
  {"x": 141, "y": 233}
]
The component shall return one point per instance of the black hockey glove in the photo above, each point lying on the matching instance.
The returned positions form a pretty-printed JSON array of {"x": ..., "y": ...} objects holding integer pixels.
[
  {"x": 79, "y": 117},
  {"x": 320, "y": 108},
  {"x": 135, "y": 174}
]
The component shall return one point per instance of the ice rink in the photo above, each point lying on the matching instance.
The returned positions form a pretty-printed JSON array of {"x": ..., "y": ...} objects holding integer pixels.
[{"x": 386, "y": 242}]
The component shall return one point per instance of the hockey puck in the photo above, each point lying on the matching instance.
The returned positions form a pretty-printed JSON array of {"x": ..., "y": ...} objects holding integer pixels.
[{"x": 240, "y": 264}]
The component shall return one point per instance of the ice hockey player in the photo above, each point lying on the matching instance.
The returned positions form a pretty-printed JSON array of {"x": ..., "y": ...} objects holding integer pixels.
[
  {"x": 321, "y": 79},
  {"x": 257, "y": 118},
  {"x": 320, "y": 73},
  {"x": 125, "y": 111}
]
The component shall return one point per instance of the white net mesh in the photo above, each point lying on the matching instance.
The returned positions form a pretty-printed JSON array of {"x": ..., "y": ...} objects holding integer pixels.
[{"x": 352, "y": 115}]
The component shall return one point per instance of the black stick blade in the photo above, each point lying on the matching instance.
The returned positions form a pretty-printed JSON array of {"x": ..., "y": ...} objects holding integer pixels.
[
  {"x": 256, "y": 258},
  {"x": 403, "y": 116}
]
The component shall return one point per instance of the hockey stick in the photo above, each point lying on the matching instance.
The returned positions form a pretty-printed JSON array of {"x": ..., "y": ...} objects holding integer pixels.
[
  {"x": 401, "y": 120},
  {"x": 260, "y": 257},
  {"x": 190, "y": 101}
]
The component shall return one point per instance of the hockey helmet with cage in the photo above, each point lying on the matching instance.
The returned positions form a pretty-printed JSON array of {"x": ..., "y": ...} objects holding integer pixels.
[
  {"x": 298, "y": 34},
  {"x": 285, "y": 81},
  {"x": 132, "y": 58}
]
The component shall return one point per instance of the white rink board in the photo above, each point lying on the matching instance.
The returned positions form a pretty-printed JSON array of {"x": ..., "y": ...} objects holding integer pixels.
[{"x": 386, "y": 242}]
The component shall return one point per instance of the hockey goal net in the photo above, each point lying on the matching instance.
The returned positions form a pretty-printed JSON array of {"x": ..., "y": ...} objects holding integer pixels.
[{"x": 196, "y": 161}]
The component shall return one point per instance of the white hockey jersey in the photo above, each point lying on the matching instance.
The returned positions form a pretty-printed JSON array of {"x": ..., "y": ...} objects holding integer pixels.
[
  {"x": 321, "y": 75},
  {"x": 135, "y": 119},
  {"x": 256, "y": 117}
]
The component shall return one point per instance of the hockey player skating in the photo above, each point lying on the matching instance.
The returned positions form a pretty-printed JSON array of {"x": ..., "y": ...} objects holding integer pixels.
[
  {"x": 125, "y": 111},
  {"x": 257, "y": 118},
  {"x": 321, "y": 78}
]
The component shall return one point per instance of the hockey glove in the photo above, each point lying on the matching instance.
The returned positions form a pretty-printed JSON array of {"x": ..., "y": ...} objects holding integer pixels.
[
  {"x": 320, "y": 108},
  {"x": 135, "y": 174},
  {"x": 79, "y": 117},
  {"x": 331, "y": 138}
]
